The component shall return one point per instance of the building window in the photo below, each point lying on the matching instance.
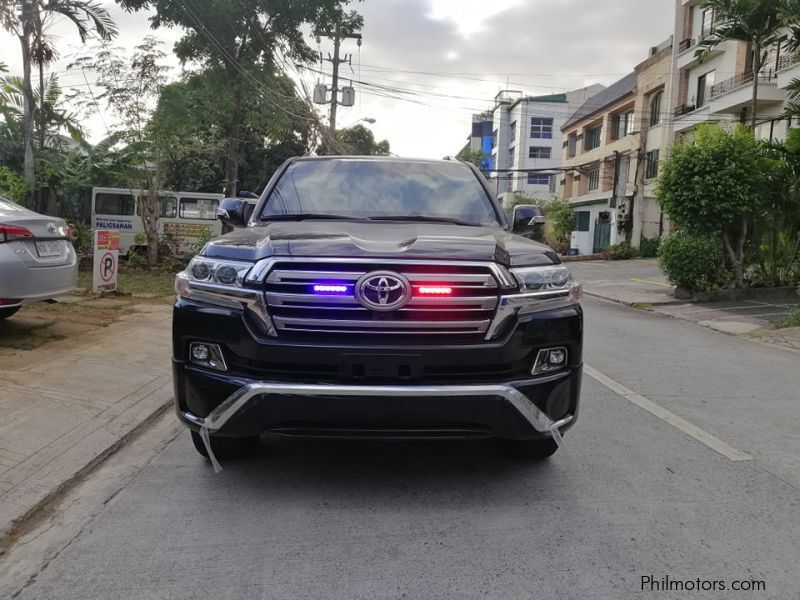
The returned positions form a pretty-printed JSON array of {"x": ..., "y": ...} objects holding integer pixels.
[
  {"x": 655, "y": 109},
  {"x": 623, "y": 125},
  {"x": 707, "y": 25},
  {"x": 541, "y": 128},
  {"x": 538, "y": 179},
  {"x": 539, "y": 152},
  {"x": 572, "y": 145},
  {"x": 512, "y": 134},
  {"x": 511, "y": 158},
  {"x": 582, "y": 220},
  {"x": 651, "y": 164},
  {"x": 704, "y": 84},
  {"x": 594, "y": 180},
  {"x": 494, "y": 139},
  {"x": 594, "y": 137}
]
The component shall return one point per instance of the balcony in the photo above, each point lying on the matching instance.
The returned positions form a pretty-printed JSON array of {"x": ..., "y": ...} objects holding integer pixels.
[
  {"x": 788, "y": 69},
  {"x": 734, "y": 94},
  {"x": 686, "y": 44}
]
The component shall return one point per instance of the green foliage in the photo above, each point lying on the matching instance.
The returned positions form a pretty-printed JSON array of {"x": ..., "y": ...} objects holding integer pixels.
[
  {"x": 623, "y": 251},
  {"x": 562, "y": 220},
  {"x": 791, "y": 320},
  {"x": 82, "y": 238},
  {"x": 694, "y": 262},
  {"x": 702, "y": 187},
  {"x": 360, "y": 141},
  {"x": 776, "y": 247},
  {"x": 648, "y": 247},
  {"x": 473, "y": 157},
  {"x": 12, "y": 185}
]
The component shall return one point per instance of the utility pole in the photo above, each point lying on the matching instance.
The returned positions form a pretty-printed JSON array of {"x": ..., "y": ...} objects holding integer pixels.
[
  {"x": 27, "y": 98},
  {"x": 337, "y": 36}
]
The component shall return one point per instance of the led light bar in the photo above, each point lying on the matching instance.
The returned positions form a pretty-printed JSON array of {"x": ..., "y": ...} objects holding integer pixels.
[
  {"x": 328, "y": 288},
  {"x": 429, "y": 290}
]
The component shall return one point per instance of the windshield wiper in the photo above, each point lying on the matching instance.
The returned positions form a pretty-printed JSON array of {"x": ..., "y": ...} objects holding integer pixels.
[
  {"x": 423, "y": 219},
  {"x": 303, "y": 216}
]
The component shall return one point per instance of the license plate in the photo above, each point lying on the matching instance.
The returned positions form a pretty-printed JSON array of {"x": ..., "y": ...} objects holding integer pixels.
[{"x": 48, "y": 248}]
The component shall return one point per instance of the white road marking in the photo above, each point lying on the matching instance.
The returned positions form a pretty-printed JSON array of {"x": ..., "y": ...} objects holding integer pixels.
[{"x": 665, "y": 415}]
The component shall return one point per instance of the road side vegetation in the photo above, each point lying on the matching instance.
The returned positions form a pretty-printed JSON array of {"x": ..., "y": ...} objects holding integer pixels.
[{"x": 742, "y": 194}]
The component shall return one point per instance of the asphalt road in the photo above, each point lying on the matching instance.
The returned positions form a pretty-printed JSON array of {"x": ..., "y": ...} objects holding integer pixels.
[{"x": 685, "y": 464}]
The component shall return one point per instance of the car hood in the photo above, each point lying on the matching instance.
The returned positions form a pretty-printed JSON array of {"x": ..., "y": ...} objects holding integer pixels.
[{"x": 347, "y": 239}]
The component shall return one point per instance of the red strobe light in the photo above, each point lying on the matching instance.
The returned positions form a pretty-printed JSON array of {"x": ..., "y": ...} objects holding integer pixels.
[{"x": 435, "y": 290}]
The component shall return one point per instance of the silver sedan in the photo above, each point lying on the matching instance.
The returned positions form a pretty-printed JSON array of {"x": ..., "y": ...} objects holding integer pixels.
[{"x": 37, "y": 260}]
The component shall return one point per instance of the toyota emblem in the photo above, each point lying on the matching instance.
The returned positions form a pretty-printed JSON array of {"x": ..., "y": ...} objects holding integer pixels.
[
  {"x": 383, "y": 291},
  {"x": 51, "y": 227}
]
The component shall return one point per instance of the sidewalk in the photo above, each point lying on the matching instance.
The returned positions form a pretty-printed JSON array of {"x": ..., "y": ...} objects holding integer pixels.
[
  {"x": 67, "y": 405},
  {"x": 632, "y": 282},
  {"x": 640, "y": 283}
]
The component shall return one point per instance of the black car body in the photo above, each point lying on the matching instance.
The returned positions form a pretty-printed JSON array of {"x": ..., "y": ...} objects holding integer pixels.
[{"x": 371, "y": 323}]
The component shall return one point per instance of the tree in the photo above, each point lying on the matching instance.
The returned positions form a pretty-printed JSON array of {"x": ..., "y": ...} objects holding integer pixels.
[
  {"x": 243, "y": 38},
  {"x": 760, "y": 23},
  {"x": 473, "y": 157},
  {"x": 714, "y": 185},
  {"x": 130, "y": 88},
  {"x": 360, "y": 141},
  {"x": 29, "y": 22},
  {"x": 190, "y": 123}
]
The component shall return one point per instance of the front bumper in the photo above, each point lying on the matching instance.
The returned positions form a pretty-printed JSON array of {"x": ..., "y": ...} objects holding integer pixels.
[{"x": 507, "y": 410}]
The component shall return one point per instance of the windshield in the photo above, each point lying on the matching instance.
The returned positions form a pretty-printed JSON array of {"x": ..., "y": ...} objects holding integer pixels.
[{"x": 369, "y": 189}]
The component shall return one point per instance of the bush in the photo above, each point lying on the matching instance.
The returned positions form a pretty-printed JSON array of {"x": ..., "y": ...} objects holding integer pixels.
[
  {"x": 648, "y": 247},
  {"x": 623, "y": 251},
  {"x": 12, "y": 185},
  {"x": 694, "y": 262}
]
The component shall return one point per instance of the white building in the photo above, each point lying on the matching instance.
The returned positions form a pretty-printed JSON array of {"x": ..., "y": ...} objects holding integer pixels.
[
  {"x": 719, "y": 88},
  {"x": 526, "y": 155}
]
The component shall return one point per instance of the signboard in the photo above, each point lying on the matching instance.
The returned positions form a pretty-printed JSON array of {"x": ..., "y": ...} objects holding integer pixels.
[{"x": 106, "y": 260}]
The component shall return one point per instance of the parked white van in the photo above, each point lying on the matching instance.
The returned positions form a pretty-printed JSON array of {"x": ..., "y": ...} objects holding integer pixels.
[{"x": 185, "y": 216}]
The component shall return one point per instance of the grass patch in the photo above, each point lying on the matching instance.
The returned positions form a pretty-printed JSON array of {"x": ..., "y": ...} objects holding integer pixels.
[
  {"x": 132, "y": 282},
  {"x": 792, "y": 320}
]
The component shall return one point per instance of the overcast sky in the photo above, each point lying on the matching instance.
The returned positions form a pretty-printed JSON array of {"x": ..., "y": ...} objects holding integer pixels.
[{"x": 428, "y": 65}]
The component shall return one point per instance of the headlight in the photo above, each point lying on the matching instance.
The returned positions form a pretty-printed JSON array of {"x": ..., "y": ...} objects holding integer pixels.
[
  {"x": 212, "y": 270},
  {"x": 543, "y": 279}
]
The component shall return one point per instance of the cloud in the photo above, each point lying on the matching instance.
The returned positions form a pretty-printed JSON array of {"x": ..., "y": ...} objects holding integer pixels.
[{"x": 432, "y": 63}]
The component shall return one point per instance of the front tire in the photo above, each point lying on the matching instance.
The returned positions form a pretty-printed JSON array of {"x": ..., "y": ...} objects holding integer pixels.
[
  {"x": 8, "y": 311},
  {"x": 226, "y": 448},
  {"x": 533, "y": 450}
]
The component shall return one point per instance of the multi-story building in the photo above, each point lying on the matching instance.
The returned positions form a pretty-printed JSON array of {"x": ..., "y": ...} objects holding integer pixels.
[
  {"x": 612, "y": 149},
  {"x": 719, "y": 87},
  {"x": 527, "y": 141},
  {"x": 481, "y": 140}
]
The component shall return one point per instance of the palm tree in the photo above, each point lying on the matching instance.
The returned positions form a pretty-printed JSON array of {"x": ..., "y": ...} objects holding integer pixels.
[
  {"x": 760, "y": 23},
  {"x": 30, "y": 24}
]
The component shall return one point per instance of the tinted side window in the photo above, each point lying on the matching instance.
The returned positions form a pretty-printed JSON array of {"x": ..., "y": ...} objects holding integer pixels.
[
  {"x": 169, "y": 207},
  {"x": 199, "y": 208},
  {"x": 114, "y": 204}
]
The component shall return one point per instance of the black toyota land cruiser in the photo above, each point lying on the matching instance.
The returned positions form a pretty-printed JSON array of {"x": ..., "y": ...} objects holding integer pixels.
[{"x": 375, "y": 297}]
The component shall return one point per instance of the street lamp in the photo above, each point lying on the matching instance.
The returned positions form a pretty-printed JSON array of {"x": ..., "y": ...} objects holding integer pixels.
[{"x": 369, "y": 120}]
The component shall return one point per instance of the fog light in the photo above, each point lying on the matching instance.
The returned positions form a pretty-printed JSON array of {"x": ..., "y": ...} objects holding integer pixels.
[
  {"x": 200, "y": 352},
  {"x": 550, "y": 359},
  {"x": 207, "y": 355}
]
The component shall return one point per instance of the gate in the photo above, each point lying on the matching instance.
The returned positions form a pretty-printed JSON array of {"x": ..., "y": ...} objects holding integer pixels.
[{"x": 602, "y": 236}]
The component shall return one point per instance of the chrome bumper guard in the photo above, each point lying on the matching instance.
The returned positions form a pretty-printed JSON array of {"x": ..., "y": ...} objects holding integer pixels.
[{"x": 242, "y": 397}]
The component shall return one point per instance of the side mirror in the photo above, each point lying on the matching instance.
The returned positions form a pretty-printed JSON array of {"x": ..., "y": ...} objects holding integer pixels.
[
  {"x": 526, "y": 216},
  {"x": 234, "y": 212}
]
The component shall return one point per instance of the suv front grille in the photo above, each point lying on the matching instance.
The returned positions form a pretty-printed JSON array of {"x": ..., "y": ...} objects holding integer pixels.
[{"x": 465, "y": 314}]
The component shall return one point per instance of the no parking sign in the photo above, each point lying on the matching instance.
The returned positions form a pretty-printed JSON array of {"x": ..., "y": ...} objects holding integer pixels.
[{"x": 106, "y": 261}]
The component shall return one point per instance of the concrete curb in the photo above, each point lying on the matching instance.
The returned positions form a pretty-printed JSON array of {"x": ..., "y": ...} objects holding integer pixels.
[
  {"x": 29, "y": 501},
  {"x": 632, "y": 304}
]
